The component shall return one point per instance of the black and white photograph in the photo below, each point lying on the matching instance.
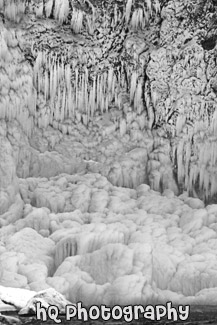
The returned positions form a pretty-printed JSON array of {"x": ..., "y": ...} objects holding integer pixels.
[{"x": 108, "y": 162}]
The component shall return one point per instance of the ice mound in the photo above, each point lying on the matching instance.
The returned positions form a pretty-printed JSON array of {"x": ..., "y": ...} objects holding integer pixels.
[
  {"x": 25, "y": 300},
  {"x": 46, "y": 298},
  {"x": 115, "y": 246}
]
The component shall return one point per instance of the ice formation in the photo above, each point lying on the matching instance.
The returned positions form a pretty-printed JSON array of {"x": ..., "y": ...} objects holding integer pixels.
[
  {"x": 107, "y": 154},
  {"x": 135, "y": 246}
]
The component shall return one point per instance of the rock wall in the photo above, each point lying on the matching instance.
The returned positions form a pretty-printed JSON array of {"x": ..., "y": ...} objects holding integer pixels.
[{"x": 124, "y": 68}]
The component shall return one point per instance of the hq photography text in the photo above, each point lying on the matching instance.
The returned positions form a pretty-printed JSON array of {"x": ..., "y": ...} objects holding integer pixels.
[{"x": 127, "y": 313}]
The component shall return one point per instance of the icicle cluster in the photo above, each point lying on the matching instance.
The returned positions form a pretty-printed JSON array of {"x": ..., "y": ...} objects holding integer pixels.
[
  {"x": 140, "y": 17},
  {"x": 136, "y": 17},
  {"x": 78, "y": 16},
  {"x": 13, "y": 9},
  {"x": 196, "y": 158},
  {"x": 72, "y": 91},
  {"x": 17, "y": 95},
  {"x": 77, "y": 20}
]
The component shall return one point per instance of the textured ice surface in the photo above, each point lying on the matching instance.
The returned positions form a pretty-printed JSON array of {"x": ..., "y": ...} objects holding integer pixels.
[
  {"x": 117, "y": 245},
  {"x": 77, "y": 147}
]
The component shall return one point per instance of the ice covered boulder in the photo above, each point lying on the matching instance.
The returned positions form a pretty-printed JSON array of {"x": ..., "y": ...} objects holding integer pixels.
[
  {"x": 25, "y": 300},
  {"x": 14, "y": 212},
  {"x": 194, "y": 203},
  {"x": 36, "y": 248},
  {"x": 13, "y": 279},
  {"x": 34, "y": 271},
  {"x": 29, "y": 242},
  {"x": 38, "y": 219},
  {"x": 47, "y": 298}
]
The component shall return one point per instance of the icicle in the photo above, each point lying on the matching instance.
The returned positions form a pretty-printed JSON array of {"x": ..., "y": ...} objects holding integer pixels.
[
  {"x": 115, "y": 14},
  {"x": 46, "y": 84},
  {"x": 206, "y": 183},
  {"x": 90, "y": 103},
  {"x": 2, "y": 4},
  {"x": 55, "y": 81},
  {"x": 69, "y": 102},
  {"x": 180, "y": 122},
  {"x": 80, "y": 95},
  {"x": 213, "y": 189},
  {"x": 149, "y": 6},
  {"x": 86, "y": 94},
  {"x": 134, "y": 20},
  {"x": 68, "y": 76},
  {"x": 98, "y": 91},
  {"x": 116, "y": 98},
  {"x": 138, "y": 98},
  {"x": 48, "y": 8},
  {"x": 140, "y": 12},
  {"x": 36, "y": 68},
  {"x": 106, "y": 103},
  {"x": 51, "y": 86},
  {"x": 93, "y": 97},
  {"x": 11, "y": 11},
  {"x": 76, "y": 88},
  {"x": 61, "y": 70},
  {"x": 146, "y": 17},
  {"x": 90, "y": 24},
  {"x": 180, "y": 161},
  {"x": 201, "y": 175},
  {"x": 77, "y": 20},
  {"x": 157, "y": 6},
  {"x": 102, "y": 104},
  {"x": 61, "y": 10},
  {"x": 113, "y": 88},
  {"x": 214, "y": 123},
  {"x": 62, "y": 116},
  {"x": 128, "y": 10},
  {"x": 133, "y": 85},
  {"x": 187, "y": 162},
  {"x": 39, "y": 10},
  {"x": 191, "y": 177},
  {"x": 57, "y": 111}
]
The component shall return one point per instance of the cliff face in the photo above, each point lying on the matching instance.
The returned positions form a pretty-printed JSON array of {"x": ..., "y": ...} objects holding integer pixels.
[
  {"x": 97, "y": 99},
  {"x": 127, "y": 68}
]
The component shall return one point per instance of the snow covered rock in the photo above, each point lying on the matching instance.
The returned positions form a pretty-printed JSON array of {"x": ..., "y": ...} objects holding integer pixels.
[
  {"x": 16, "y": 296},
  {"x": 46, "y": 298}
]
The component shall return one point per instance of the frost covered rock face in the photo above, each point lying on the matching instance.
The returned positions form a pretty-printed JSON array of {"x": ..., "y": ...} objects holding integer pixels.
[{"x": 108, "y": 150}]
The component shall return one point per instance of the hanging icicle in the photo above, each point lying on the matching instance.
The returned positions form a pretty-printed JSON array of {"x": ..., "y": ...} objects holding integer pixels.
[
  {"x": 61, "y": 10},
  {"x": 128, "y": 10},
  {"x": 133, "y": 85},
  {"x": 138, "y": 102},
  {"x": 77, "y": 20}
]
